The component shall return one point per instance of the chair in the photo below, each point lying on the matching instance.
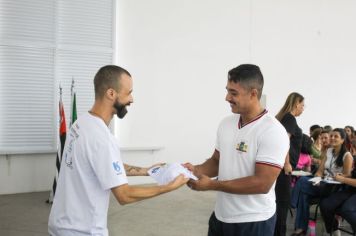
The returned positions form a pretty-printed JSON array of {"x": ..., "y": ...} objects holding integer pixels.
[
  {"x": 350, "y": 232},
  {"x": 315, "y": 201}
]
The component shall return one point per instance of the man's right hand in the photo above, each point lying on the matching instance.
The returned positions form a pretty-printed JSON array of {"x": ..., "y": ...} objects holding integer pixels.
[{"x": 177, "y": 182}]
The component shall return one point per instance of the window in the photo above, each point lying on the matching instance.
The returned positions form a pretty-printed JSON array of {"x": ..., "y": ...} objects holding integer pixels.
[{"x": 44, "y": 43}]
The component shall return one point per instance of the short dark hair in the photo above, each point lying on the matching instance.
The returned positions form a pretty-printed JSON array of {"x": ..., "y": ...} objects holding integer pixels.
[
  {"x": 314, "y": 127},
  {"x": 325, "y": 131},
  {"x": 108, "y": 77},
  {"x": 249, "y": 75},
  {"x": 327, "y": 128}
]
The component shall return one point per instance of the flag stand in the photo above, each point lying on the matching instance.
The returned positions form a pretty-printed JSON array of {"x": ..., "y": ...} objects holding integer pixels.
[{"x": 60, "y": 147}]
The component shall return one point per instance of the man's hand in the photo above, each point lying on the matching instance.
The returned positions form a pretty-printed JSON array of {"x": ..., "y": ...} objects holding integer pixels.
[
  {"x": 189, "y": 166},
  {"x": 177, "y": 182},
  {"x": 139, "y": 171},
  {"x": 127, "y": 194},
  {"x": 202, "y": 184},
  {"x": 145, "y": 170}
]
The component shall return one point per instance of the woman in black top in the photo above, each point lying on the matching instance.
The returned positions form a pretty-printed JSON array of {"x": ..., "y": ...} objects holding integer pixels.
[
  {"x": 342, "y": 202},
  {"x": 293, "y": 107}
]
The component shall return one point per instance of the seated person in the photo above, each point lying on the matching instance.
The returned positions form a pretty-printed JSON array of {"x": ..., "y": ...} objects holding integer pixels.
[
  {"x": 304, "y": 161},
  {"x": 342, "y": 203},
  {"x": 316, "y": 148},
  {"x": 337, "y": 160}
]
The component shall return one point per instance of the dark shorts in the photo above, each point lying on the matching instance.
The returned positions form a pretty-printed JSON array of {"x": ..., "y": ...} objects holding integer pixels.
[{"x": 259, "y": 228}]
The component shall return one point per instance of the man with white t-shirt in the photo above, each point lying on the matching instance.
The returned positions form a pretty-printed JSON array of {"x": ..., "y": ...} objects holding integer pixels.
[
  {"x": 91, "y": 166},
  {"x": 250, "y": 150}
]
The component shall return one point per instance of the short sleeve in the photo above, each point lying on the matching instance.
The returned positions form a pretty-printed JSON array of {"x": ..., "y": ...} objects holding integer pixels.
[
  {"x": 107, "y": 165},
  {"x": 273, "y": 147},
  {"x": 217, "y": 142},
  {"x": 345, "y": 155},
  {"x": 289, "y": 123}
]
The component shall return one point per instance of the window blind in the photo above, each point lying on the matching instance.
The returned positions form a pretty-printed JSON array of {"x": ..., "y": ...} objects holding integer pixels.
[{"x": 44, "y": 43}]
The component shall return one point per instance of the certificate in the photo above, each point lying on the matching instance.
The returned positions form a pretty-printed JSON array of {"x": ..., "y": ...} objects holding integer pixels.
[{"x": 166, "y": 173}]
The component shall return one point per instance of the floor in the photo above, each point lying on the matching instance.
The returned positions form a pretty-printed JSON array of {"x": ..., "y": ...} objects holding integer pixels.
[{"x": 180, "y": 213}]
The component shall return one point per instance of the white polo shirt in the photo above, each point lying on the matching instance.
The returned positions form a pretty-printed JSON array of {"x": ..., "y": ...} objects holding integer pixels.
[
  {"x": 91, "y": 166},
  {"x": 265, "y": 141}
]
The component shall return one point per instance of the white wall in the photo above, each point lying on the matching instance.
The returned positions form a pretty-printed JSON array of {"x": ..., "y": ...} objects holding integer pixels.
[
  {"x": 179, "y": 53},
  {"x": 26, "y": 173}
]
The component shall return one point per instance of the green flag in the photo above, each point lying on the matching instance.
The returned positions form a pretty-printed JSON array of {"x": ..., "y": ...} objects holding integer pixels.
[
  {"x": 74, "y": 108},
  {"x": 73, "y": 112}
]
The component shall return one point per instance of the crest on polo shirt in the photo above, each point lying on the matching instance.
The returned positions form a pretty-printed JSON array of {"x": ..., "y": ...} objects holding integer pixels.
[{"x": 242, "y": 146}]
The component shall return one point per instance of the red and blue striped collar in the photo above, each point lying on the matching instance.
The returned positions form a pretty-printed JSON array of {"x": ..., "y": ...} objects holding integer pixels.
[{"x": 239, "y": 125}]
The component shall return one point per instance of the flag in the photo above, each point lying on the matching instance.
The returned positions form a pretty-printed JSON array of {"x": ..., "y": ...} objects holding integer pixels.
[
  {"x": 73, "y": 110},
  {"x": 60, "y": 147}
]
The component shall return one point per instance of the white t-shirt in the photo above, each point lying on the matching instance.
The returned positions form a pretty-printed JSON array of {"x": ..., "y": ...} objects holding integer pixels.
[
  {"x": 263, "y": 140},
  {"x": 91, "y": 166}
]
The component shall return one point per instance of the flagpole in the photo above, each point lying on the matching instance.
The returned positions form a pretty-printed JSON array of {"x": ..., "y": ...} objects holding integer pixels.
[
  {"x": 59, "y": 149},
  {"x": 71, "y": 102},
  {"x": 73, "y": 109}
]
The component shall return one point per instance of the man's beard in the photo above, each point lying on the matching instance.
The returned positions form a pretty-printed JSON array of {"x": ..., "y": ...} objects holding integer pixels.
[{"x": 121, "y": 109}]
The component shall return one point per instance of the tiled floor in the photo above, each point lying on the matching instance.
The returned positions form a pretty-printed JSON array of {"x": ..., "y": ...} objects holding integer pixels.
[{"x": 180, "y": 213}]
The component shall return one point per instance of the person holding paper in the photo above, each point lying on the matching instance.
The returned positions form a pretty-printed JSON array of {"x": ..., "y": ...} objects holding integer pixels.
[
  {"x": 342, "y": 203},
  {"x": 139, "y": 171},
  {"x": 250, "y": 149},
  {"x": 336, "y": 160},
  {"x": 91, "y": 166}
]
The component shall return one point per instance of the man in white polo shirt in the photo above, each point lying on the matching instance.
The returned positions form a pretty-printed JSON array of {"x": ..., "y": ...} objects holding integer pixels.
[
  {"x": 250, "y": 150},
  {"x": 91, "y": 166}
]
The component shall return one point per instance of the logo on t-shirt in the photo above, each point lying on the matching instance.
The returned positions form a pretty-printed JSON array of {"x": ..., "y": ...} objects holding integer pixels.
[
  {"x": 117, "y": 167},
  {"x": 242, "y": 146}
]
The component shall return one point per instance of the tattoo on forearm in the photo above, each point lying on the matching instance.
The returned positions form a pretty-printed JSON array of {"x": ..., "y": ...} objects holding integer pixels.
[{"x": 134, "y": 169}]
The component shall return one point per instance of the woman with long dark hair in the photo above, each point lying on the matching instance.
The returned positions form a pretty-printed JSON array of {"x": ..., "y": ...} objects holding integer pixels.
[
  {"x": 336, "y": 160},
  {"x": 350, "y": 134},
  {"x": 293, "y": 107}
]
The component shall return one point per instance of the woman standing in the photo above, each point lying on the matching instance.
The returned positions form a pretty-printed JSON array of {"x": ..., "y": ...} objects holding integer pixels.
[{"x": 293, "y": 107}]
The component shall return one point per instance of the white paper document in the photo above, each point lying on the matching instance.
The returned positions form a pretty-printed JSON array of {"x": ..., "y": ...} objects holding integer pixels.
[
  {"x": 331, "y": 181},
  {"x": 317, "y": 180},
  {"x": 301, "y": 173},
  {"x": 166, "y": 173}
]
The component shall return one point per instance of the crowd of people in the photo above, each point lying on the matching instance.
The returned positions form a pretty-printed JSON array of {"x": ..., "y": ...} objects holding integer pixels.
[
  {"x": 327, "y": 154},
  {"x": 250, "y": 167}
]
